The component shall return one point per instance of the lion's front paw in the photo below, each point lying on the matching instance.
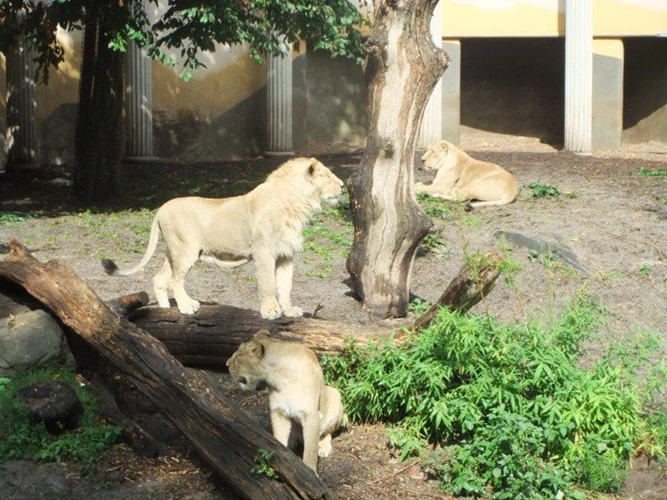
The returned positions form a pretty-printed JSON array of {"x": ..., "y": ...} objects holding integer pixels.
[
  {"x": 293, "y": 312},
  {"x": 271, "y": 312},
  {"x": 188, "y": 306},
  {"x": 324, "y": 448}
]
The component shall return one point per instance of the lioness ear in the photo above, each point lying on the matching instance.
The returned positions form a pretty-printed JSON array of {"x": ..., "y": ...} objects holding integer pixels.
[
  {"x": 256, "y": 348},
  {"x": 313, "y": 166}
]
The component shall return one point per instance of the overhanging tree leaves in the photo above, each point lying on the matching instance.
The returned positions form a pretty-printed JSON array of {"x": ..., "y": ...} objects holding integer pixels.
[
  {"x": 187, "y": 26},
  {"x": 402, "y": 67}
]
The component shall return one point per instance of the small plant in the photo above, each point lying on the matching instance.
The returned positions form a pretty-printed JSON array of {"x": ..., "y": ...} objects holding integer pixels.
[
  {"x": 419, "y": 306},
  {"x": 644, "y": 270},
  {"x": 652, "y": 172},
  {"x": 433, "y": 243},
  {"x": 540, "y": 190},
  {"x": 263, "y": 464}
]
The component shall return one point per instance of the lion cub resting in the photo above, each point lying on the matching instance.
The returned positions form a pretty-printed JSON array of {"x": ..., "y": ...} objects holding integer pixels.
[
  {"x": 297, "y": 392},
  {"x": 263, "y": 225},
  {"x": 460, "y": 177}
]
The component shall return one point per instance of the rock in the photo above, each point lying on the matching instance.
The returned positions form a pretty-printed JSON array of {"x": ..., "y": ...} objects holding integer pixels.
[
  {"x": 30, "y": 340},
  {"x": 541, "y": 247},
  {"x": 54, "y": 403}
]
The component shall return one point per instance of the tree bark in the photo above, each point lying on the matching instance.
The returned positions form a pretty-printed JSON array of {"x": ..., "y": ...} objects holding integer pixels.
[
  {"x": 220, "y": 431},
  {"x": 402, "y": 67},
  {"x": 99, "y": 127}
]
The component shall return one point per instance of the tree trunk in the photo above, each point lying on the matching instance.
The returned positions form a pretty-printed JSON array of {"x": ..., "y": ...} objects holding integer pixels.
[
  {"x": 402, "y": 67},
  {"x": 99, "y": 127},
  {"x": 221, "y": 432}
]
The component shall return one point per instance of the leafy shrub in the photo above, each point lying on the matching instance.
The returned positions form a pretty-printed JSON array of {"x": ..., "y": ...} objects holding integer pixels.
[
  {"x": 540, "y": 190},
  {"x": 519, "y": 416},
  {"x": 21, "y": 438}
]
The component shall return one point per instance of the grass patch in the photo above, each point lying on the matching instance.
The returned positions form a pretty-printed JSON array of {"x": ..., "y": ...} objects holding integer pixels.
[
  {"x": 652, "y": 172},
  {"x": 516, "y": 413},
  {"x": 11, "y": 218},
  {"x": 21, "y": 438}
]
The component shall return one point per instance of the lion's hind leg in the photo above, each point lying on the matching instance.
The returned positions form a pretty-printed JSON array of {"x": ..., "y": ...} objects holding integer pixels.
[
  {"x": 181, "y": 264},
  {"x": 161, "y": 283},
  {"x": 332, "y": 417}
]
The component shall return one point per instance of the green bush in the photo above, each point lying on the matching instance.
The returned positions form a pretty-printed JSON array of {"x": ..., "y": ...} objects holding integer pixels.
[
  {"x": 21, "y": 438},
  {"x": 518, "y": 415}
]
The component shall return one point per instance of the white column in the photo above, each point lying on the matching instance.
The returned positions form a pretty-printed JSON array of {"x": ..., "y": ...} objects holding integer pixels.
[
  {"x": 279, "y": 103},
  {"x": 578, "y": 75},
  {"x": 139, "y": 102},
  {"x": 431, "y": 125},
  {"x": 21, "y": 105}
]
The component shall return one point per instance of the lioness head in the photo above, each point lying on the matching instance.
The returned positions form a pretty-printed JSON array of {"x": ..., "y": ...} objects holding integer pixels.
[
  {"x": 245, "y": 365},
  {"x": 434, "y": 155}
]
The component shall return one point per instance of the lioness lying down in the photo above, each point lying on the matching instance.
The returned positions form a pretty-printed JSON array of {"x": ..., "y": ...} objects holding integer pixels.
[
  {"x": 263, "y": 225},
  {"x": 297, "y": 392},
  {"x": 462, "y": 178}
]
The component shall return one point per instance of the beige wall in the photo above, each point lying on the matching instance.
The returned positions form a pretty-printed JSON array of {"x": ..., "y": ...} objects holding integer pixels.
[{"x": 500, "y": 18}]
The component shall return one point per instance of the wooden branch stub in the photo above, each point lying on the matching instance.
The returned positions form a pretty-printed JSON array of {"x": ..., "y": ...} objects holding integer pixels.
[{"x": 467, "y": 289}]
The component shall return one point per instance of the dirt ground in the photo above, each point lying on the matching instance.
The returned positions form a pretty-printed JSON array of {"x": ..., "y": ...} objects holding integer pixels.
[{"x": 612, "y": 219}]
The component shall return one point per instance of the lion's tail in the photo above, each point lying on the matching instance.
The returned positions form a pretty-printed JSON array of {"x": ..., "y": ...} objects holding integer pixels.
[{"x": 112, "y": 269}]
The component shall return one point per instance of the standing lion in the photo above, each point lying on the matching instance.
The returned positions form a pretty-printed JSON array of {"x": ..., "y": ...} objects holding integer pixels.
[
  {"x": 264, "y": 225},
  {"x": 460, "y": 177}
]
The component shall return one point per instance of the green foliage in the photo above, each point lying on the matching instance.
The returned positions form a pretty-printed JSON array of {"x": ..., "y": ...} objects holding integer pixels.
[
  {"x": 188, "y": 27},
  {"x": 21, "y": 438},
  {"x": 419, "y": 306},
  {"x": 263, "y": 464},
  {"x": 520, "y": 416},
  {"x": 433, "y": 242},
  {"x": 10, "y": 218},
  {"x": 540, "y": 190},
  {"x": 652, "y": 172}
]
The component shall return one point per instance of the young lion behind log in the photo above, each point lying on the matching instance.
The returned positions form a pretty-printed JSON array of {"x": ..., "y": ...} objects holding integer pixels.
[
  {"x": 460, "y": 177},
  {"x": 297, "y": 392},
  {"x": 263, "y": 225}
]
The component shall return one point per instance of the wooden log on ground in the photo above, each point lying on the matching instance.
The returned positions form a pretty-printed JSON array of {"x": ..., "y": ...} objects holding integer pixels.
[
  {"x": 217, "y": 428},
  {"x": 212, "y": 334}
]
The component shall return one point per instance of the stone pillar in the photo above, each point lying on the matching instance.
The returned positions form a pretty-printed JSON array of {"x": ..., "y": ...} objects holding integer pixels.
[
  {"x": 21, "y": 105},
  {"x": 451, "y": 93},
  {"x": 139, "y": 102},
  {"x": 279, "y": 103},
  {"x": 608, "y": 59},
  {"x": 578, "y": 75},
  {"x": 431, "y": 125}
]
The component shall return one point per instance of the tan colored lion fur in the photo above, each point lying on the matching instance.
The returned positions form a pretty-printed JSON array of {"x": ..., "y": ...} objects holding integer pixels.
[
  {"x": 460, "y": 177},
  {"x": 297, "y": 392},
  {"x": 264, "y": 225}
]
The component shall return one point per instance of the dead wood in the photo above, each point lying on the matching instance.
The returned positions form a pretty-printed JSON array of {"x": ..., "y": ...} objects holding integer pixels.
[
  {"x": 214, "y": 333},
  {"x": 467, "y": 289},
  {"x": 218, "y": 429}
]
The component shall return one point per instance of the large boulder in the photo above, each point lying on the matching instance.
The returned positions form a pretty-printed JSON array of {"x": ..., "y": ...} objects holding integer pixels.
[{"x": 29, "y": 340}]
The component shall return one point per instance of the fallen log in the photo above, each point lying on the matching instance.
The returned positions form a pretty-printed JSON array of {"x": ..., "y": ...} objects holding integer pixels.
[
  {"x": 214, "y": 333},
  {"x": 217, "y": 428}
]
